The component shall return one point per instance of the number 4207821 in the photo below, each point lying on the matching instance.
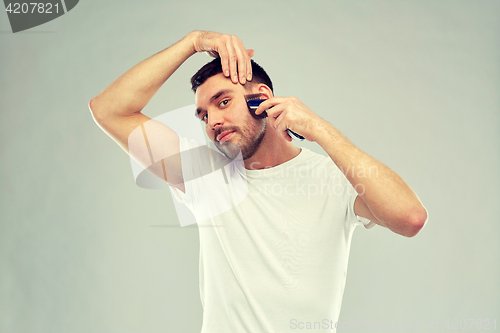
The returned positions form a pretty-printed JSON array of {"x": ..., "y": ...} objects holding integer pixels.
[{"x": 32, "y": 8}]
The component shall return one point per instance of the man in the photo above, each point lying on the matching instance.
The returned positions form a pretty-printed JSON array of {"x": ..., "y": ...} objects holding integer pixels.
[{"x": 276, "y": 261}]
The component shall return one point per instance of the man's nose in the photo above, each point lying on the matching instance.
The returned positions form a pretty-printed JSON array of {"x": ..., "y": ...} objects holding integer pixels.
[{"x": 215, "y": 119}]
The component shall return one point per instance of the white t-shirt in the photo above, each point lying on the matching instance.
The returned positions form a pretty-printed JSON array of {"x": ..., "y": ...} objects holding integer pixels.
[{"x": 275, "y": 245}]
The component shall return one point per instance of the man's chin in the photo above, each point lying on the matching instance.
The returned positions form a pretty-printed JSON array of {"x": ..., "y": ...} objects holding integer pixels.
[
  {"x": 249, "y": 147},
  {"x": 229, "y": 149}
]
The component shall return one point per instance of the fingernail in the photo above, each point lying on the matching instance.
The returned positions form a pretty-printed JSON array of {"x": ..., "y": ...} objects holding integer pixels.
[
  {"x": 226, "y": 73},
  {"x": 249, "y": 77},
  {"x": 235, "y": 78},
  {"x": 243, "y": 80}
]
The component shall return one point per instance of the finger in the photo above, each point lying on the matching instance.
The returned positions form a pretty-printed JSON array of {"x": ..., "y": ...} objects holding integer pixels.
[
  {"x": 224, "y": 60},
  {"x": 281, "y": 126},
  {"x": 242, "y": 61},
  {"x": 280, "y": 119},
  {"x": 233, "y": 72},
  {"x": 276, "y": 115},
  {"x": 250, "y": 53},
  {"x": 249, "y": 65},
  {"x": 269, "y": 103}
]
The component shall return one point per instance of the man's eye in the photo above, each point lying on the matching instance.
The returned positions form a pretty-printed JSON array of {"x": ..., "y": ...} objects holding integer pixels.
[
  {"x": 224, "y": 102},
  {"x": 203, "y": 116}
]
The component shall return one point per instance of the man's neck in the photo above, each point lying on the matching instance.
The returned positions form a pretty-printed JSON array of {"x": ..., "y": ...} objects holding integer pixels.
[{"x": 273, "y": 151}]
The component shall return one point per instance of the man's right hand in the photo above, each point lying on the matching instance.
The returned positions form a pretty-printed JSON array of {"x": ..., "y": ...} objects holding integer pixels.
[{"x": 235, "y": 59}]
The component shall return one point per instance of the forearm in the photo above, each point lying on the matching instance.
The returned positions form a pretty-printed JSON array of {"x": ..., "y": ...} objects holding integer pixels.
[
  {"x": 133, "y": 90},
  {"x": 390, "y": 200}
]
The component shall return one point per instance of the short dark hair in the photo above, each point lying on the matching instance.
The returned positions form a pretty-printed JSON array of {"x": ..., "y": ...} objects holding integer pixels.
[{"x": 214, "y": 67}]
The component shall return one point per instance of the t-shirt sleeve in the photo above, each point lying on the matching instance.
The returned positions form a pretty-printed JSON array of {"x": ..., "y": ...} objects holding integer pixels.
[{"x": 356, "y": 219}]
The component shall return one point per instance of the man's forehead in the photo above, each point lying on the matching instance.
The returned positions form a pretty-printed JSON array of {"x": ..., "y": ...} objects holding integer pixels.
[{"x": 212, "y": 84}]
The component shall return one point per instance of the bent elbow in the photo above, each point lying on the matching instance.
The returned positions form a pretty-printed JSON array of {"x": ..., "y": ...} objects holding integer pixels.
[
  {"x": 416, "y": 222},
  {"x": 95, "y": 111},
  {"x": 92, "y": 105}
]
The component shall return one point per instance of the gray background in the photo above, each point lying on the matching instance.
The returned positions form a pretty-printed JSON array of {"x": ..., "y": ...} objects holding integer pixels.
[{"x": 416, "y": 84}]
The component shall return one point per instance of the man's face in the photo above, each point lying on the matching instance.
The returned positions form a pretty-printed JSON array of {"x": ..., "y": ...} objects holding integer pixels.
[{"x": 221, "y": 104}]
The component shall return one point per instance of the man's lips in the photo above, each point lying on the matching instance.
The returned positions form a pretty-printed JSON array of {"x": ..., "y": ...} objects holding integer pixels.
[{"x": 224, "y": 136}]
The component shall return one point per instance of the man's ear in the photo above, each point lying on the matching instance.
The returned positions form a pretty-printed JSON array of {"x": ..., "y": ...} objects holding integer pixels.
[{"x": 265, "y": 91}]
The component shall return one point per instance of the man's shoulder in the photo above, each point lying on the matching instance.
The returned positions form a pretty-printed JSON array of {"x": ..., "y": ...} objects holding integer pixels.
[{"x": 314, "y": 159}]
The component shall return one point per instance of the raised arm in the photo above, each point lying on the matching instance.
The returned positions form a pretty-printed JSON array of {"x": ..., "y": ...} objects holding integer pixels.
[{"x": 118, "y": 109}]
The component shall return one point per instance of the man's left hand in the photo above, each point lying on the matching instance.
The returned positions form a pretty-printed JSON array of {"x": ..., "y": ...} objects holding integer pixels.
[{"x": 290, "y": 113}]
